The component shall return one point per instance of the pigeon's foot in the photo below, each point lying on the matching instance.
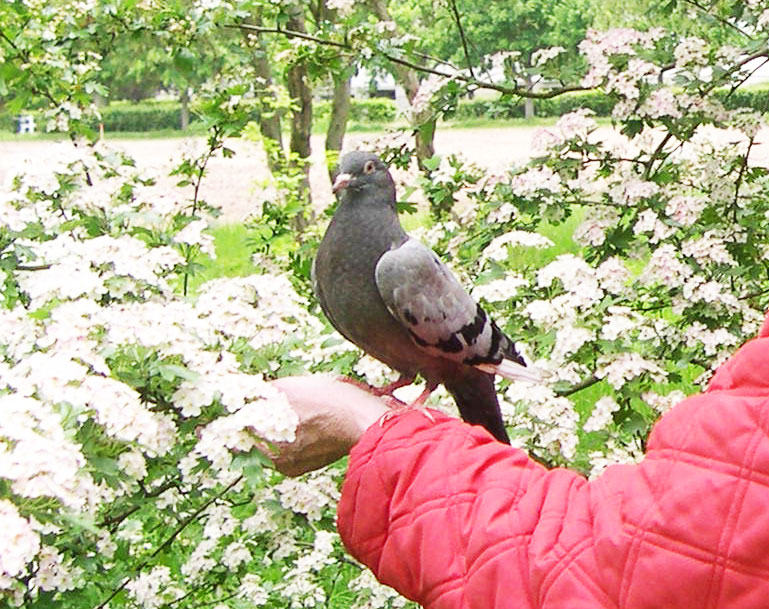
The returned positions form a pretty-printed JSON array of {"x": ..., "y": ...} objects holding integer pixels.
[
  {"x": 389, "y": 389},
  {"x": 419, "y": 403},
  {"x": 360, "y": 384},
  {"x": 384, "y": 391},
  {"x": 398, "y": 407}
]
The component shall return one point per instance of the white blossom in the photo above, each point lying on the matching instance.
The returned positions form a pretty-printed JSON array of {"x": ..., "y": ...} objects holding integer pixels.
[
  {"x": 691, "y": 51},
  {"x": 541, "y": 56},
  {"x": 498, "y": 249},
  {"x": 379, "y": 596},
  {"x": 235, "y": 554},
  {"x": 200, "y": 560},
  {"x": 618, "y": 323},
  {"x": 665, "y": 267},
  {"x": 53, "y": 572},
  {"x": 153, "y": 589},
  {"x": 616, "y": 454},
  {"x": 601, "y": 415},
  {"x": 192, "y": 234},
  {"x": 685, "y": 209},
  {"x": 569, "y": 339},
  {"x": 663, "y": 403},
  {"x": 499, "y": 290},
  {"x": 133, "y": 464},
  {"x": 592, "y": 230},
  {"x": 708, "y": 249},
  {"x": 310, "y": 496},
  {"x": 712, "y": 341},
  {"x": 252, "y": 590},
  {"x": 661, "y": 102},
  {"x": 19, "y": 544},
  {"x": 620, "y": 368},
  {"x": 612, "y": 275},
  {"x": 631, "y": 190},
  {"x": 553, "y": 418},
  {"x": 535, "y": 181},
  {"x": 374, "y": 371}
]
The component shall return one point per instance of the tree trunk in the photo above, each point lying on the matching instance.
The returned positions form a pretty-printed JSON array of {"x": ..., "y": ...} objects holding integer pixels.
[
  {"x": 300, "y": 91},
  {"x": 340, "y": 113},
  {"x": 269, "y": 117},
  {"x": 424, "y": 122},
  {"x": 528, "y": 103},
  {"x": 184, "y": 99},
  {"x": 528, "y": 108}
]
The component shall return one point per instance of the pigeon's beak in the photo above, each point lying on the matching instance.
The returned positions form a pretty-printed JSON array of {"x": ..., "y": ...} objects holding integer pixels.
[{"x": 341, "y": 182}]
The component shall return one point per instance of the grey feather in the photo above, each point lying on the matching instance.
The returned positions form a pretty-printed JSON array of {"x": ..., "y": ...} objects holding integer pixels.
[{"x": 422, "y": 293}]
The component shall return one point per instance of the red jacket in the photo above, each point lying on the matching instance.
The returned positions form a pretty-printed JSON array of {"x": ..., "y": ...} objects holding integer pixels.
[{"x": 451, "y": 518}]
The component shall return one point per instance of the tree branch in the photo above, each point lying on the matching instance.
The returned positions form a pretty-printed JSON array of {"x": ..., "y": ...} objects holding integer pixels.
[
  {"x": 588, "y": 382},
  {"x": 469, "y": 80}
]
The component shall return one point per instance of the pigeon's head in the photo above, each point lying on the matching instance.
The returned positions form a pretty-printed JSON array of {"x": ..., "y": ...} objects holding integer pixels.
[{"x": 361, "y": 171}]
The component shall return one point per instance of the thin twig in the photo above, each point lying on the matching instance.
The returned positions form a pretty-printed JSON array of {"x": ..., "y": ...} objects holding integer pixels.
[
  {"x": 34, "y": 267},
  {"x": 723, "y": 21},
  {"x": 463, "y": 38}
]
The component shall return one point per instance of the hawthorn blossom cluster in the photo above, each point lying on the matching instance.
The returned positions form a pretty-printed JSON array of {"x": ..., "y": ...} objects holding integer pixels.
[{"x": 109, "y": 377}]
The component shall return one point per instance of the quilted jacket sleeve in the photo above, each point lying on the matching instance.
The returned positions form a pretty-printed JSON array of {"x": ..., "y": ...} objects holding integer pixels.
[{"x": 453, "y": 519}]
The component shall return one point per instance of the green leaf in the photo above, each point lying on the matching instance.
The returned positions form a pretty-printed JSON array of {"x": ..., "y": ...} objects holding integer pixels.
[
  {"x": 171, "y": 372},
  {"x": 432, "y": 163},
  {"x": 252, "y": 464}
]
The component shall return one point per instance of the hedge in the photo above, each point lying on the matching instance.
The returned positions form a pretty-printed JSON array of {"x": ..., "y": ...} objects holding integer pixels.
[
  {"x": 374, "y": 110},
  {"x": 153, "y": 116},
  {"x": 145, "y": 116},
  {"x": 598, "y": 102}
]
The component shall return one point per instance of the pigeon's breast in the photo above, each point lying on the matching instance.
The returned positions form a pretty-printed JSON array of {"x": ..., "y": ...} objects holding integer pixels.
[{"x": 346, "y": 288}]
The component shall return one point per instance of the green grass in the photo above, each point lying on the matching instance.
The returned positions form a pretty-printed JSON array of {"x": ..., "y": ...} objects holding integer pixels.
[
  {"x": 233, "y": 256},
  {"x": 492, "y": 123}
]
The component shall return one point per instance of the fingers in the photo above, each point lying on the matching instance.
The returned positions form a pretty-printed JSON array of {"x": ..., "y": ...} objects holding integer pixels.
[{"x": 318, "y": 391}]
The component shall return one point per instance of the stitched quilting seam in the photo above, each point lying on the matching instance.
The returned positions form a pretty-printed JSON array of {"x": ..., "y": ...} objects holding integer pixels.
[
  {"x": 728, "y": 468},
  {"x": 735, "y": 509},
  {"x": 702, "y": 555},
  {"x": 637, "y": 538}
]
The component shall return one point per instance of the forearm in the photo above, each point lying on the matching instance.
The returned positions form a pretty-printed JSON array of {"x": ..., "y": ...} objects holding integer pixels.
[{"x": 428, "y": 506}]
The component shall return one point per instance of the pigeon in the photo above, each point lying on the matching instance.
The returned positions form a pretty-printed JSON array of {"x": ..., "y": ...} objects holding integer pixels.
[{"x": 392, "y": 296}]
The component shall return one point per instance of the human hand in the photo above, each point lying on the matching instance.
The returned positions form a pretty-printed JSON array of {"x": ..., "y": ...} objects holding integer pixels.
[{"x": 332, "y": 415}]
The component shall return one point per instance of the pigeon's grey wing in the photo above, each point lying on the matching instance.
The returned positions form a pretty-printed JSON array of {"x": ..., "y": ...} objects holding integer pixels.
[{"x": 442, "y": 318}]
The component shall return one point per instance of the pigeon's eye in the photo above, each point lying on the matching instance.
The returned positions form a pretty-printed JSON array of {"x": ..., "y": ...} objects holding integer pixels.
[{"x": 369, "y": 167}]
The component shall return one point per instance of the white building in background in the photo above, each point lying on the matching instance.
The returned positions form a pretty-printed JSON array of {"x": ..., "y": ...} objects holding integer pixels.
[
  {"x": 384, "y": 85},
  {"x": 365, "y": 82}
]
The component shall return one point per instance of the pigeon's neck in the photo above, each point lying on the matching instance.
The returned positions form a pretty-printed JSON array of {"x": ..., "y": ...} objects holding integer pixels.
[{"x": 374, "y": 224}]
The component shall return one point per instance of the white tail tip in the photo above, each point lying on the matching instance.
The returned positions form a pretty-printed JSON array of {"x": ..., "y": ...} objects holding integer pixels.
[{"x": 512, "y": 371}]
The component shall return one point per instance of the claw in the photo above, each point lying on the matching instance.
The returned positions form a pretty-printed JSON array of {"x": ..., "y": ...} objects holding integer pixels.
[
  {"x": 386, "y": 390},
  {"x": 395, "y": 405}
]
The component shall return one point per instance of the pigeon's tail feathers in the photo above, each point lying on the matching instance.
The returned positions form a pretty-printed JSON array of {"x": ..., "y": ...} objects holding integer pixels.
[
  {"x": 512, "y": 371},
  {"x": 476, "y": 398}
]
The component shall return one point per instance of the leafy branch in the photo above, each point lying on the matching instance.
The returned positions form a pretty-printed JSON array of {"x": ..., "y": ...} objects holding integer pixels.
[{"x": 170, "y": 539}]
